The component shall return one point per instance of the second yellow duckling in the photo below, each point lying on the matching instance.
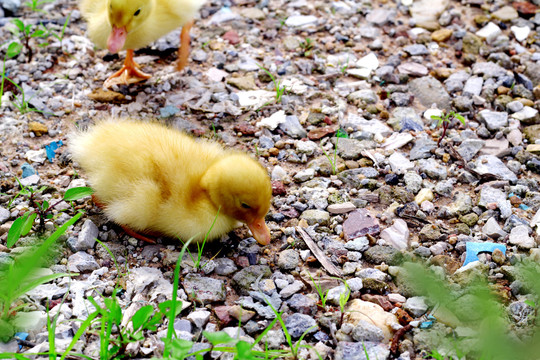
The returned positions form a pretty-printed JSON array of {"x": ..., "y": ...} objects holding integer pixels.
[
  {"x": 133, "y": 24},
  {"x": 154, "y": 179}
]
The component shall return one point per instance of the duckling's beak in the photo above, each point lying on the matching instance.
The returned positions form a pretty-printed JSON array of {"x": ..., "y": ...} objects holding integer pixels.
[
  {"x": 260, "y": 231},
  {"x": 116, "y": 40}
]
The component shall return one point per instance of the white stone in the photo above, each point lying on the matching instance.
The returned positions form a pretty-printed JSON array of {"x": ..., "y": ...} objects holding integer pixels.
[
  {"x": 216, "y": 75},
  {"x": 341, "y": 208},
  {"x": 255, "y": 98},
  {"x": 369, "y": 61},
  {"x": 37, "y": 156},
  {"x": 397, "y": 140},
  {"x": 295, "y": 86},
  {"x": 278, "y": 173},
  {"x": 399, "y": 163},
  {"x": 273, "y": 121},
  {"x": 520, "y": 236},
  {"x": 489, "y": 32},
  {"x": 301, "y": 20},
  {"x": 362, "y": 73},
  {"x": 432, "y": 112},
  {"x": 397, "y": 235},
  {"x": 520, "y": 32}
]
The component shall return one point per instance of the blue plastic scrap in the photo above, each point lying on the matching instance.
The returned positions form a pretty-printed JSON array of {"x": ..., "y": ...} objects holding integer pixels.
[
  {"x": 51, "y": 149},
  {"x": 474, "y": 248},
  {"x": 27, "y": 170},
  {"x": 426, "y": 325},
  {"x": 21, "y": 336}
]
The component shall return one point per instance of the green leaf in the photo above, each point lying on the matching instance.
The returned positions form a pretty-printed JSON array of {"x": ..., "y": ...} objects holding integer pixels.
[
  {"x": 219, "y": 337},
  {"x": 141, "y": 316},
  {"x": 15, "y": 230},
  {"x": 19, "y": 24},
  {"x": 27, "y": 226},
  {"x": 77, "y": 193},
  {"x": 530, "y": 303},
  {"x": 14, "y": 49},
  {"x": 45, "y": 205},
  {"x": 342, "y": 134},
  {"x": 243, "y": 349},
  {"x": 460, "y": 118},
  {"x": 436, "y": 117},
  {"x": 180, "y": 348}
]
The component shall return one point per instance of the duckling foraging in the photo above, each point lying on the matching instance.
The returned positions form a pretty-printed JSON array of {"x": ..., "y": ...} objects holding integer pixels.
[
  {"x": 133, "y": 24},
  {"x": 154, "y": 179}
]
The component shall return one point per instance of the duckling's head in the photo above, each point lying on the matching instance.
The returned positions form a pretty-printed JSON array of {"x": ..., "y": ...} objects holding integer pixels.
[
  {"x": 241, "y": 187},
  {"x": 124, "y": 16}
]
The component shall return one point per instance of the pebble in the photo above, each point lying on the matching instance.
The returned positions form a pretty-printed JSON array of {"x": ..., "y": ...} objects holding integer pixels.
[{"x": 360, "y": 223}]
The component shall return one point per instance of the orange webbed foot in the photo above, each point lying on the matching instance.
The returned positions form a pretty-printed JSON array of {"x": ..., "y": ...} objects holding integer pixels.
[{"x": 130, "y": 73}]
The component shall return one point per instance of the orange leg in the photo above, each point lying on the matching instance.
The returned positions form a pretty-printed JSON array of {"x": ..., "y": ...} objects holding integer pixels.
[
  {"x": 127, "y": 230},
  {"x": 183, "y": 50},
  {"x": 136, "y": 235},
  {"x": 130, "y": 73}
]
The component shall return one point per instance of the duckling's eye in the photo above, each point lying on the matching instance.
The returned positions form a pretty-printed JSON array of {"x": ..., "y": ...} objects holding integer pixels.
[
  {"x": 246, "y": 206},
  {"x": 137, "y": 12}
]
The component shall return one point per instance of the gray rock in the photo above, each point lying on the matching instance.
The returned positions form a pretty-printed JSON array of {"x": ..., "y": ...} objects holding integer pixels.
[
  {"x": 416, "y": 306},
  {"x": 81, "y": 262},
  {"x": 47, "y": 291},
  {"x": 288, "y": 259},
  {"x": 291, "y": 289},
  {"x": 350, "y": 149},
  {"x": 199, "y": 318},
  {"x": 298, "y": 324},
  {"x": 422, "y": 148},
  {"x": 494, "y": 120},
  {"x": 370, "y": 273},
  {"x": 520, "y": 236},
  {"x": 405, "y": 118},
  {"x": 489, "y": 164},
  {"x": 243, "y": 279},
  {"x": 527, "y": 115},
  {"x": 4, "y": 215},
  {"x": 365, "y": 331},
  {"x": 416, "y": 49},
  {"x": 358, "y": 350},
  {"x": 429, "y": 91},
  {"x": 488, "y": 69},
  {"x": 490, "y": 195},
  {"x": 304, "y": 175},
  {"x": 313, "y": 217},
  {"x": 86, "y": 239},
  {"x": 11, "y": 5},
  {"x": 224, "y": 266},
  {"x": 378, "y": 254},
  {"x": 292, "y": 127},
  {"x": 358, "y": 244},
  {"x": 380, "y": 16},
  {"x": 473, "y": 86},
  {"x": 412, "y": 69},
  {"x": 469, "y": 148},
  {"x": 413, "y": 182},
  {"x": 303, "y": 304},
  {"x": 360, "y": 223},
  {"x": 433, "y": 169},
  {"x": 399, "y": 163},
  {"x": 205, "y": 289},
  {"x": 462, "y": 204},
  {"x": 492, "y": 229},
  {"x": 444, "y": 187}
]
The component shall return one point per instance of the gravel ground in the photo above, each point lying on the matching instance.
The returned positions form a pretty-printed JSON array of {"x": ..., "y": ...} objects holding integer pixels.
[{"x": 361, "y": 81}]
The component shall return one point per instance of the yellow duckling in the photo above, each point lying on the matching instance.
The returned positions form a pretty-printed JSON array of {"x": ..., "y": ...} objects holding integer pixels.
[
  {"x": 154, "y": 179},
  {"x": 132, "y": 24}
]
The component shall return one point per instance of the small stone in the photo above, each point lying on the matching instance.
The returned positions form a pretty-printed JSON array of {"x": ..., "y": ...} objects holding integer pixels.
[
  {"x": 498, "y": 257},
  {"x": 360, "y": 223},
  {"x": 416, "y": 306},
  {"x": 288, "y": 259},
  {"x": 243, "y": 82},
  {"x": 81, "y": 262},
  {"x": 441, "y": 35},
  {"x": 316, "y": 217},
  {"x": 37, "y": 128},
  {"x": 397, "y": 235},
  {"x": 520, "y": 236},
  {"x": 424, "y": 195},
  {"x": 107, "y": 96}
]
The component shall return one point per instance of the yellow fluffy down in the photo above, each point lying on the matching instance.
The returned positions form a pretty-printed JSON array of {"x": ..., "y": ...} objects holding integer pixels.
[
  {"x": 163, "y": 17},
  {"x": 157, "y": 179}
]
